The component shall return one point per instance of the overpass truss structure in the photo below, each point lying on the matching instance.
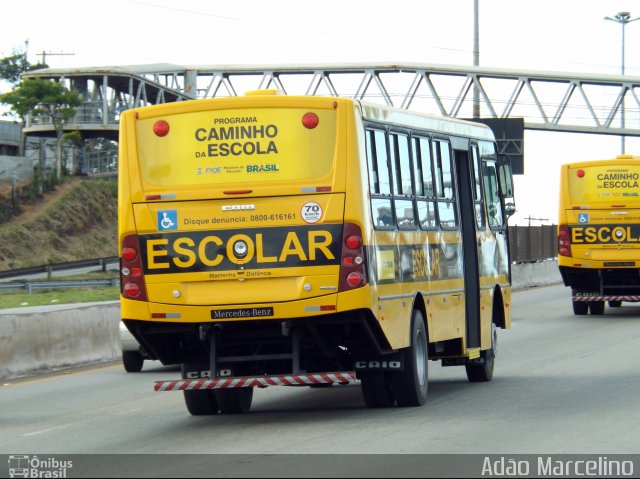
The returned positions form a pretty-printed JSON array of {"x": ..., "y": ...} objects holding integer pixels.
[
  {"x": 546, "y": 101},
  {"x": 549, "y": 101}
]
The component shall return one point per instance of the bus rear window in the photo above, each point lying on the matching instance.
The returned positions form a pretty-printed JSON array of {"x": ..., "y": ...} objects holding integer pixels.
[{"x": 243, "y": 145}]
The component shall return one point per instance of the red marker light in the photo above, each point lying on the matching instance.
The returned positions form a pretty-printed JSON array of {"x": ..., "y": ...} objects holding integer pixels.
[
  {"x": 580, "y": 173},
  {"x": 161, "y": 128},
  {"x": 310, "y": 120}
]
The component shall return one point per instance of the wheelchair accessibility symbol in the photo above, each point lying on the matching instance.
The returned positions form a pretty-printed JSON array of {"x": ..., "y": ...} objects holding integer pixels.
[
  {"x": 167, "y": 220},
  {"x": 583, "y": 218}
]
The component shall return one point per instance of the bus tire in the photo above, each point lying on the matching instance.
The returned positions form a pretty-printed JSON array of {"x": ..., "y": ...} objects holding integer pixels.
[
  {"x": 410, "y": 386},
  {"x": 580, "y": 308},
  {"x": 615, "y": 304},
  {"x": 132, "y": 361},
  {"x": 234, "y": 400},
  {"x": 198, "y": 402},
  {"x": 376, "y": 389},
  {"x": 483, "y": 371},
  {"x": 596, "y": 307}
]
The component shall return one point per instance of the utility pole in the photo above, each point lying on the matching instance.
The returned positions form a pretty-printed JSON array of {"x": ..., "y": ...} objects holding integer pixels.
[
  {"x": 44, "y": 55},
  {"x": 622, "y": 18},
  {"x": 476, "y": 56}
]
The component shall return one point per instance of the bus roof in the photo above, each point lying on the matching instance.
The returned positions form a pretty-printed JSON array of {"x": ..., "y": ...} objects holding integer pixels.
[
  {"x": 620, "y": 159},
  {"x": 423, "y": 121}
]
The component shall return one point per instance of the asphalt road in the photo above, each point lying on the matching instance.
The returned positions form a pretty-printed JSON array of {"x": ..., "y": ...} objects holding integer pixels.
[{"x": 563, "y": 384}]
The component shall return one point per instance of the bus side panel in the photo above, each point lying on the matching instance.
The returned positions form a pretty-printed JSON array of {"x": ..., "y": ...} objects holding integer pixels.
[
  {"x": 392, "y": 315},
  {"x": 406, "y": 264}
]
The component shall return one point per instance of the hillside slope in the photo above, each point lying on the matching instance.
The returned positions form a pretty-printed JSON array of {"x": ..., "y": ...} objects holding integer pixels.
[{"x": 79, "y": 220}]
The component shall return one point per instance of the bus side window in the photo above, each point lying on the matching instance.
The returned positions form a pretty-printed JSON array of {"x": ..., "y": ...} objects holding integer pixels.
[
  {"x": 379, "y": 178},
  {"x": 374, "y": 186},
  {"x": 478, "y": 202},
  {"x": 424, "y": 183},
  {"x": 403, "y": 187},
  {"x": 444, "y": 185},
  {"x": 490, "y": 177}
]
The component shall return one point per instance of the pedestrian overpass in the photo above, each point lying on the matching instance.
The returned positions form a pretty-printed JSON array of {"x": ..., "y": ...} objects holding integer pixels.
[{"x": 549, "y": 101}]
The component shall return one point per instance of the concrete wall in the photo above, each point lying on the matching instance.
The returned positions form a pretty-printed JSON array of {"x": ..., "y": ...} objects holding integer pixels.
[
  {"x": 46, "y": 338},
  {"x": 527, "y": 275}
]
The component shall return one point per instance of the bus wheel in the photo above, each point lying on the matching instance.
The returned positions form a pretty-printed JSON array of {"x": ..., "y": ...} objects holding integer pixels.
[
  {"x": 483, "y": 371},
  {"x": 596, "y": 307},
  {"x": 615, "y": 304},
  {"x": 376, "y": 389},
  {"x": 234, "y": 400},
  {"x": 198, "y": 402},
  {"x": 580, "y": 308},
  {"x": 132, "y": 361},
  {"x": 410, "y": 386}
]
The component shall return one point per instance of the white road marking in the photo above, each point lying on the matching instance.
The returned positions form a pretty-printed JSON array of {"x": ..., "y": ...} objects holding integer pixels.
[{"x": 44, "y": 431}]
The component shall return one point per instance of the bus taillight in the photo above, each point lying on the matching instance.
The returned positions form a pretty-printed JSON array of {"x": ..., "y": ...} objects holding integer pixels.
[
  {"x": 132, "y": 285},
  {"x": 564, "y": 242},
  {"x": 353, "y": 271},
  {"x": 131, "y": 289},
  {"x": 353, "y": 242},
  {"x": 354, "y": 279},
  {"x": 129, "y": 254}
]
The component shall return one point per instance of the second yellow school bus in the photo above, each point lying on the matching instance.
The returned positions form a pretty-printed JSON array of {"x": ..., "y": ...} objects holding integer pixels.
[
  {"x": 286, "y": 240},
  {"x": 599, "y": 232}
]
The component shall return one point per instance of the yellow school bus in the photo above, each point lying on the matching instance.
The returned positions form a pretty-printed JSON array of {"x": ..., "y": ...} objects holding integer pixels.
[
  {"x": 599, "y": 232},
  {"x": 269, "y": 239}
]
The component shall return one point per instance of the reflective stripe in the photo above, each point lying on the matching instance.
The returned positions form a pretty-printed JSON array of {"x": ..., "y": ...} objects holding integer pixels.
[{"x": 259, "y": 381}]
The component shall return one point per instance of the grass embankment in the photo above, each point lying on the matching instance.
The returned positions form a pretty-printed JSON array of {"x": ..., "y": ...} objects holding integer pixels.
[
  {"x": 60, "y": 296},
  {"x": 77, "y": 221}
]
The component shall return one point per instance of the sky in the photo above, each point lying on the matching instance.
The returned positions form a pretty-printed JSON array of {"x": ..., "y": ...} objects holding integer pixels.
[{"x": 545, "y": 35}]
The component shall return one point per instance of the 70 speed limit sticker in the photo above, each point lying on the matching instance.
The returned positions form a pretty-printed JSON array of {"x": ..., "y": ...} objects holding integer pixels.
[{"x": 311, "y": 212}]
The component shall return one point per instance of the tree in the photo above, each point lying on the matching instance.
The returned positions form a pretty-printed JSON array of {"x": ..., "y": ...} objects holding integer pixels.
[
  {"x": 13, "y": 66},
  {"x": 11, "y": 70},
  {"x": 46, "y": 98},
  {"x": 74, "y": 140}
]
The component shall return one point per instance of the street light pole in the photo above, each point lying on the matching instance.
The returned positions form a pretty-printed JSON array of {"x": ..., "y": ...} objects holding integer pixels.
[
  {"x": 476, "y": 56},
  {"x": 622, "y": 18}
]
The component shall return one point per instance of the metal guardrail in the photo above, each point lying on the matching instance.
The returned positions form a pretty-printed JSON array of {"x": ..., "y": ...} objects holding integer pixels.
[
  {"x": 29, "y": 286},
  {"x": 49, "y": 268}
]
